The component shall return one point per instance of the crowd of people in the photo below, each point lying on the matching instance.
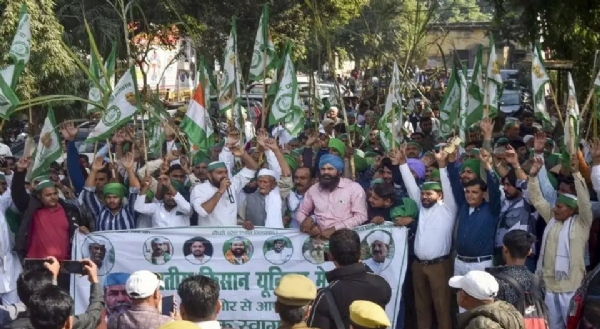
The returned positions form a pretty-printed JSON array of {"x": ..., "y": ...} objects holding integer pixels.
[{"x": 505, "y": 204}]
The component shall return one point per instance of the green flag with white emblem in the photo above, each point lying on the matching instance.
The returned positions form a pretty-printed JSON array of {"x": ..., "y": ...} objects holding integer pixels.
[
  {"x": 49, "y": 148},
  {"x": 287, "y": 105}
]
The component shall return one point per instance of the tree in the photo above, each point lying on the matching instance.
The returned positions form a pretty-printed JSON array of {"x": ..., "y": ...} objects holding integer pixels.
[
  {"x": 50, "y": 70},
  {"x": 459, "y": 11}
]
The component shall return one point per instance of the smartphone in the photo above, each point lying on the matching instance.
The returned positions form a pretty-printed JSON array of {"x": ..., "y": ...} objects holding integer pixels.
[
  {"x": 72, "y": 267},
  {"x": 167, "y": 305},
  {"x": 34, "y": 264}
]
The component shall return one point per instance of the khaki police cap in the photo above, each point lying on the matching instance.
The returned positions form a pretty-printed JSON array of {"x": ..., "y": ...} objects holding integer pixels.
[
  {"x": 295, "y": 290},
  {"x": 368, "y": 315}
]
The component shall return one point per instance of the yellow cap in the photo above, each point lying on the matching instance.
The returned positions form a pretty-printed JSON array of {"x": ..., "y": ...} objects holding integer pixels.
[
  {"x": 368, "y": 315},
  {"x": 295, "y": 290},
  {"x": 179, "y": 325}
]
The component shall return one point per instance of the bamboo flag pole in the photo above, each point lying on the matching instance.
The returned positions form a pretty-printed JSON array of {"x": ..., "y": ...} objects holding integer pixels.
[
  {"x": 144, "y": 147},
  {"x": 112, "y": 159},
  {"x": 264, "y": 111}
]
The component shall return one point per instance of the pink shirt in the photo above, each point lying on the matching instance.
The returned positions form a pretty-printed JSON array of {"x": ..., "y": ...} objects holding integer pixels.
[{"x": 345, "y": 207}]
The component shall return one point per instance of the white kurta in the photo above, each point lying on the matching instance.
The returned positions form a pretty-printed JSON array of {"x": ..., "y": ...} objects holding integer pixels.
[
  {"x": 376, "y": 267},
  {"x": 279, "y": 258},
  {"x": 10, "y": 266},
  {"x": 161, "y": 217},
  {"x": 190, "y": 258}
]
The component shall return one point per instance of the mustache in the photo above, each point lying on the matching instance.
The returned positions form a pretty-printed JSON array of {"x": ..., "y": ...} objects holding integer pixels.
[{"x": 120, "y": 307}]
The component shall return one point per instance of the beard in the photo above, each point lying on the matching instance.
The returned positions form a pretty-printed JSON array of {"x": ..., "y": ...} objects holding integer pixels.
[
  {"x": 214, "y": 182},
  {"x": 249, "y": 189},
  {"x": 329, "y": 182}
]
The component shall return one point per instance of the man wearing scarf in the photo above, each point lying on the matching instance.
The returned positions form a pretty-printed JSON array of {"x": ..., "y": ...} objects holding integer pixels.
[
  {"x": 112, "y": 215},
  {"x": 432, "y": 267},
  {"x": 336, "y": 202},
  {"x": 173, "y": 211},
  {"x": 264, "y": 207},
  {"x": 561, "y": 263}
]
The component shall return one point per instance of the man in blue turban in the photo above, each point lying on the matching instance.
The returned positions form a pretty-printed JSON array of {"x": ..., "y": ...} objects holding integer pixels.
[
  {"x": 336, "y": 202},
  {"x": 115, "y": 296}
]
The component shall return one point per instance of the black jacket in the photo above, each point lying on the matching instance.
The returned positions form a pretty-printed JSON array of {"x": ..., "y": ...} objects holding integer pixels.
[
  {"x": 27, "y": 206},
  {"x": 348, "y": 284},
  {"x": 88, "y": 320}
]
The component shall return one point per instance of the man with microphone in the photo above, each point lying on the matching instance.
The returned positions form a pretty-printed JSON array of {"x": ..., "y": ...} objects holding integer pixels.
[{"x": 215, "y": 199}]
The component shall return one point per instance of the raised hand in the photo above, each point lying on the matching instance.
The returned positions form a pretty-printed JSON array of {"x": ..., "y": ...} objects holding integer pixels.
[
  {"x": 441, "y": 157},
  {"x": 271, "y": 144},
  {"x": 539, "y": 142},
  {"x": 237, "y": 151},
  {"x": 261, "y": 138},
  {"x": 98, "y": 163},
  {"x": 574, "y": 163},
  {"x": 594, "y": 145},
  {"x": 312, "y": 139},
  {"x": 484, "y": 156},
  {"x": 487, "y": 126},
  {"x": 127, "y": 162},
  {"x": 147, "y": 181},
  {"x": 164, "y": 180},
  {"x": 68, "y": 131},
  {"x": 233, "y": 137},
  {"x": 536, "y": 166},
  {"x": 23, "y": 164},
  {"x": 511, "y": 156},
  {"x": 118, "y": 137},
  {"x": 401, "y": 155}
]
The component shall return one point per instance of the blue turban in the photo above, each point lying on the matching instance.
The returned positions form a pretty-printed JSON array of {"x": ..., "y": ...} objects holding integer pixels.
[
  {"x": 333, "y": 160},
  {"x": 116, "y": 279},
  {"x": 417, "y": 166}
]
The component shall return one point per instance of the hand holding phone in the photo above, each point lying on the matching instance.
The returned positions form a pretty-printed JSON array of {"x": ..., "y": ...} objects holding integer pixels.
[
  {"x": 168, "y": 305},
  {"x": 72, "y": 267}
]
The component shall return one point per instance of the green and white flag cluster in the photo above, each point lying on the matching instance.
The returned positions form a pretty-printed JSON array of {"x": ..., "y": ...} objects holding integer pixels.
[
  {"x": 476, "y": 95},
  {"x": 450, "y": 104},
  {"x": 494, "y": 81},
  {"x": 539, "y": 79},
  {"x": 572, "y": 117},
  {"x": 156, "y": 137},
  {"x": 392, "y": 114},
  {"x": 49, "y": 148},
  {"x": 19, "y": 53},
  {"x": 123, "y": 103},
  {"x": 263, "y": 46},
  {"x": 96, "y": 92},
  {"x": 287, "y": 105}
]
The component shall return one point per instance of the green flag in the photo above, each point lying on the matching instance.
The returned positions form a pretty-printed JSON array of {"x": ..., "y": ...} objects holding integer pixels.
[
  {"x": 476, "y": 94},
  {"x": 493, "y": 86},
  {"x": 392, "y": 114},
  {"x": 571, "y": 128},
  {"x": 49, "y": 148},
  {"x": 450, "y": 105},
  {"x": 539, "y": 79},
  {"x": 20, "y": 48},
  {"x": 287, "y": 105},
  {"x": 8, "y": 99},
  {"x": 263, "y": 45}
]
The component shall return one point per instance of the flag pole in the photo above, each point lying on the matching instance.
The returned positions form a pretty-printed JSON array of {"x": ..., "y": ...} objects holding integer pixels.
[{"x": 112, "y": 159}]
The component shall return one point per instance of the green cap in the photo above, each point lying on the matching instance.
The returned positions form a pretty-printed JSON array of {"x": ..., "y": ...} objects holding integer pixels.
[
  {"x": 376, "y": 181},
  {"x": 44, "y": 184},
  {"x": 407, "y": 209},
  {"x": 435, "y": 174},
  {"x": 216, "y": 165},
  {"x": 199, "y": 158},
  {"x": 474, "y": 165},
  {"x": 431, "y": 186},
  {"x": 338, "y": 145},
  {"x": 291, "y": 161}
]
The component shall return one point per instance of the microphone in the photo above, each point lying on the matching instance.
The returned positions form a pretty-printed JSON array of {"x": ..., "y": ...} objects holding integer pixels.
[{"x": 230, "y": 195}]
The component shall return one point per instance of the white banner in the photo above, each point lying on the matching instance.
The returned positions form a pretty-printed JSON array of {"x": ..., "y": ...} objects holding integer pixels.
[{"x": 246, "y": 264}]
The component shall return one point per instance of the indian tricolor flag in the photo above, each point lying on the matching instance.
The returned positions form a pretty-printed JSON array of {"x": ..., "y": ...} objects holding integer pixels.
[{"x": 196, "y": 124}]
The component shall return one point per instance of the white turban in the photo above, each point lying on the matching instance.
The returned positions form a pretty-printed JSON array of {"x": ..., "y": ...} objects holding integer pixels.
[{"x": 378, "y": 236}]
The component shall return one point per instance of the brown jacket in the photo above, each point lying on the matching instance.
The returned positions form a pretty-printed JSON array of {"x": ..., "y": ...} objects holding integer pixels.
[{"x": 497, "y": 315}]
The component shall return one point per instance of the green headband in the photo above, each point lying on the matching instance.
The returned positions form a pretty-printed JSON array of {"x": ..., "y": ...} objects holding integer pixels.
[
  {"x": 415, "y": 144},
  {"x": 177, "y": 185},
  {"x": 407, "y": 209},
  {"x": 117, "y": 189},
  {"x": 216, "y": 165},
  {"x": 376, "y": 181},
  {"x": 568, "y": 199},
  {"x": 431, "y": 186}
]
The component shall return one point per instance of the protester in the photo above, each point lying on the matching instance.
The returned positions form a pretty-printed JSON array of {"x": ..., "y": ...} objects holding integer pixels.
[
  {"x": 51, "y": 308},
  {"x": 477, "y": 291},
  {"x": 294, "y": 293},
  {"x": 348, "y": 282},
  {"x": 173, "y": 211},
  {"x": 143, "y": 287}
]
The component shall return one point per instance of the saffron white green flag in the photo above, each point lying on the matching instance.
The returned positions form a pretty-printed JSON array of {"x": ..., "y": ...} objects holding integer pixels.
[
  {"x": 287, "y": 101},
  {"x": 196, "y": 124},
  {"x": 539, "y": 79},
  {"x": 122, "y": 106},
  {"x": 49, "y": 148},
  {"x": 262, "y": 46},
  {"x": 571, "y": 128},
  {"x": 494, "y": 81},
  {"x": 392, "y": 114},
  {"x": 476, "y": 94},
  {"x": 450, "y": 105},
  {"x": 227, "y": 92},
  {"x": 8, "y": 99}
]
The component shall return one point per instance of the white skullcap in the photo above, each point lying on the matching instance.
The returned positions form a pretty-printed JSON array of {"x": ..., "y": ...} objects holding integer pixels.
[
  {"x": 268, "y": 172},
  {"x": 527, "y": 138}
]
